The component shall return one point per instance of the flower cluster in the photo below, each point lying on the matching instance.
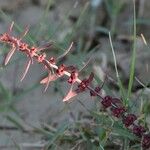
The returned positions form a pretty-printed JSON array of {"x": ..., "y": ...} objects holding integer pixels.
[
  {"x": 129, "y": 120},
  {"x": 115, "y": 105}
]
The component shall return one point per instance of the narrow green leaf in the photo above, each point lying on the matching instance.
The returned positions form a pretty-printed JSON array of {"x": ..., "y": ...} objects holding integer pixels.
[
  {"x": 133, "y": 58},
  {"x": 122, "y": 89},
  {"x": 58, "y": 133}
]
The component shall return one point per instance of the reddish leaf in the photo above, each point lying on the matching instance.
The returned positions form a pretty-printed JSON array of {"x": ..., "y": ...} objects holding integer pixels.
[
  {"x": 51, "y": 78},
  {"x": 9, "y": 55},
  {"x": 60, "y": 70},
  {"x": 73, "y": 77},
  {"x": 48, "y": 81},
  {"x": 84, "y": 84},
  {"x": 11, "y": 27},
  {"x": 26, "y": 69},
  {"x": 70, "y": 95}
]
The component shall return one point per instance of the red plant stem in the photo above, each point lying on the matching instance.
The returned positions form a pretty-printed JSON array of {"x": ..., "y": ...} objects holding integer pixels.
[
  {"x": 49, "y": 65},
  {"x": 119, "y": 112}
]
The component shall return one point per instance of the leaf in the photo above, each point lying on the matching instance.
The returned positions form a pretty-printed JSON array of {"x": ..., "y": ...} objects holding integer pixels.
[
  {"x": 48, "y": 80},
  {"x": 70, "y": 95},
  {"x": 51, "y": 78},
  {"x": 123, "y": 132},
  {"x": 85, "y": 64},
  {"x": 11, "y": 27},
  {"x": 133, "y": 58},
  {"x": 24, "y": 33},
  {"x": 26, "y": 69},
  {"x": 9, "y": 55},
  {"x": 5, "y": 98},
  {"x": 66, "y": 52}
]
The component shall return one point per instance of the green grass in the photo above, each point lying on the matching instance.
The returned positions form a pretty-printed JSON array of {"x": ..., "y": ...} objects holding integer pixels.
[
  {"x": 133, "y": 58},
  {"x": 121, "y": 87}
]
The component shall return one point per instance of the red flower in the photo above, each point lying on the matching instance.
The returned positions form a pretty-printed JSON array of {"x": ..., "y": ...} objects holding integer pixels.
[
  {"x": 23, "y": 47},
  {"x": 138, "y": 130},
  {"x": 96, "y": 90},
  {"x": 5, "y": 38},
  {"x": 146, "y": 141},
  {"x": 85, "y": 83},
  {"x": 73, "y": 77},
  {"x": 107, "y": 101},
  {"x": 129, "y": 119},
  {"x": 117, "y": 112},
  {"x": 115, "y": 104},
  {"x": 41, "y": 57},
  {"x": 52, "y": 60},
  {"x": 33, "y": 51},
  {"x": 60, "y": 70}
]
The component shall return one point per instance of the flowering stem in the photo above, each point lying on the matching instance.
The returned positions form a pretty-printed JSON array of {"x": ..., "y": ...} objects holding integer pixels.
[{"x": 116, "y": 106}]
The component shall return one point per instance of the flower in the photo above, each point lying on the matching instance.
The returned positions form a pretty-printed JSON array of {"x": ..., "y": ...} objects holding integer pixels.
[
  {"x": 146, "y": 141},
  {"x": 73, "y": 77},
  {"x": 107, "y": 101},
  {"x": 54, "y": 72},
  {"x": 41, "y": 57},
  {"x": 60, "y": 70},
  {"x": 95, "y": 91},
  {"x": 138, "y": 130},
  {"x": 129, "y": 119},
  {"x": 85, "y": 83},
  {"x": 118, "y": 111}
]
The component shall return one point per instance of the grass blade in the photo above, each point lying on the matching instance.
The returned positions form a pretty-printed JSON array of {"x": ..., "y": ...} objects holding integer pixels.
[
  {"x": 122, "y": 89},
  {"x": 133, "y": 58}
]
